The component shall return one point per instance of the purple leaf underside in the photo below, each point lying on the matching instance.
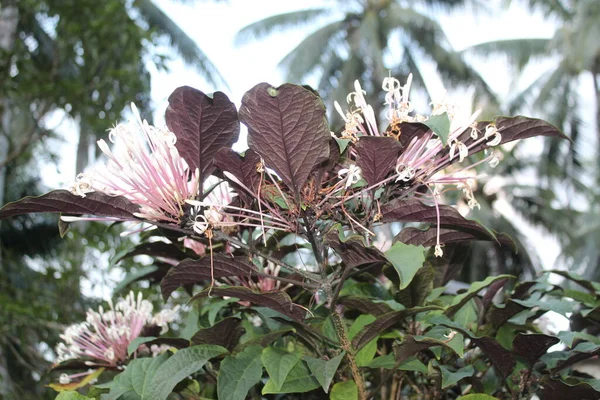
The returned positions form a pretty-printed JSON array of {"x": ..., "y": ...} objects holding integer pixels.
[
  {"x": 243, "y": 168},
  {"x": 63, "y": 201},
  {"x": 288, "y": 128},
  {"x": 277, "y": 301},
  {"x": 203, "y": 125},
  {"x": 189, "y": 272},
  {"x": 376, "y": 157}
]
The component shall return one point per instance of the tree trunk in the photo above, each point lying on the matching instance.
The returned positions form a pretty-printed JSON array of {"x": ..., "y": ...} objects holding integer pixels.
[
  {"x": 596, "y": 78},
  {"x": 84, "y": 147},
  {"x": 9, "y": 17}
]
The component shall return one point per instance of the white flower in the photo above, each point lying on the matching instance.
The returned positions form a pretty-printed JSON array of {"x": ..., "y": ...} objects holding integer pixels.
[
  {"x": 352, "y": 175},
  {"x": 82, "y": 185},
  {"x": 438, "y": 250},
  {"x": 404, "y": 172},
  {"x": 492, "y": 131},
  {"x": 463, "y": 150}
]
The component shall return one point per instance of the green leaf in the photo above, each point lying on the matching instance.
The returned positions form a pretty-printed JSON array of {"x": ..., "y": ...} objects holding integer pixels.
[
  {"x": 567, "y": 337},
  {"x": 440, "y": 125},
  {"x": 365, "y": 355},
  {"x": 450, "y": 378},
  {"x": 299, "y": 380},
  {"x": 71, "y": 395},
  {"x": 155, "y": 378},
  {"x": 388, "y": 361},
  {"x": 407, "y": 260},
  {"x": 278, "y": 364},
  {"x": 359, "y": 323},
  {"x": 344, "y": 391},
  {"x": 177, "y": 367},
  {"x": 239, "y": 373},
  {"x": 342, "y": 143},
  {"x": 459, "y": 301},
  {"x": 135, "y": 343},
  {"x": 477, "y": 396},
  {"x": 324, "y": 370}
]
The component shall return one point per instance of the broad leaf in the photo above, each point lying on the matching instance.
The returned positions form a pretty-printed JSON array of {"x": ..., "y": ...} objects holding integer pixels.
[
  {"x": 450, "y": 263},
  {"x": 365, "y": 306},
  {"x": 239, "y": 373},
  {"x": 195, "y": 271},
  {"x": 137, "y": 342},
  {"x": 225, "y": 333},
  {"x": 278, "y": 364},
  {"x": 352, "y": 249},
  {"x": 428, "y": 237},
  {"x": 63, "y": 201},
  {"x": 511, "y": 129},
  {"x": 344, "y": 391},
  {"x": 440, "y": 125},
  {"x": 462, "y": 299},
  {"x": 502, "y": 359},
  {"x": 389, "y": 361},
  {"x": 299, "y": 380},
  {"x": 406, "y": 260},
  {"x": 244, "y": 169},
  {"x": 324, "y": 370},
  {"x": 376, "y": 157},
  {"x": 155, "y": 378},
  {"x": 558, "y": 390},
  {"x": 453, "y": 226},
  {"x": 278, "y": 301},
  {"x": 288, "y": 128},
  {"x": 203, "y": 125},
  {"x": 451, "y": 378},
  {"x": 532, "y": 346},
  {"x": 384, "y": 322}
]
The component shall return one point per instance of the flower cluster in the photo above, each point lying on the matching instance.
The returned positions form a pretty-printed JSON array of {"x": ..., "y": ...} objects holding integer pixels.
[
  {"x": 426, "y": 159},
  {"x": 145, "y": 167},
  {"x": 103, "y": 338}
]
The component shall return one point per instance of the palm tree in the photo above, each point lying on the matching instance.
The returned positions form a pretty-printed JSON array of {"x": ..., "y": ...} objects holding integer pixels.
[
  {"x": 363, "y": 39},
  {"x": 555, "y": 95}
]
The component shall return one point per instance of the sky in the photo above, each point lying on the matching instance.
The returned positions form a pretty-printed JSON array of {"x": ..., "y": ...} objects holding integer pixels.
[{"x": 214, "y": 25}]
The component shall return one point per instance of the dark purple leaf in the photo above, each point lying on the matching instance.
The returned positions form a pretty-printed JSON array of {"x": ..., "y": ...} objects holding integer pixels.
[
  {"x": 243, "y": 168},
  {"x": 288, "y": 128},
  {"x": 410, "y": 347},
  {"x": 226, "y": 333},
  {"x": 278, "y": 301},
  {"x": 532, "y": 346},
  {"x": 193, "y": 271},
  {"x": 501, "y": 358},
  {"x": 383, "y": 322},
  {"x": 497, "y": 316},
  {"x": 411, "y": 130},
  {"x": 511, "y": 129},
  {"x": 63, "y": 201},
  {"x": 428, "y": 237},
  {"x": 562, "y": 364},
  {"x": 376, "y": 157},
  {"x": 413, "y": 210},
  {"x": 558, "y": 390},
  {"x": 492, "y": 290},
  {"x": 203, "y": 125},
  {"x": 352, "y": 250},
  {"x": 449, "y": 265},
  {"x": 418, "y": 289},
  {"x": 365, "y": 306}
]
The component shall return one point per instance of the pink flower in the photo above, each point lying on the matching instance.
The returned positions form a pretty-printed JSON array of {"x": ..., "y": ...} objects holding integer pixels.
[
  {"x": 104, "y": 337},
  {"x": 145, "y": 167}
]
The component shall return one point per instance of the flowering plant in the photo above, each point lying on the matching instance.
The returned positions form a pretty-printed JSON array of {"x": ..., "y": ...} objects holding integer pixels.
[{"x": 302, "y": 291}]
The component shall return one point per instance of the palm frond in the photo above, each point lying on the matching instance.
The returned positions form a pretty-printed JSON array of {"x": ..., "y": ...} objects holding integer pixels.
[
  {"x": 518, "y": 51},
  {"x": 185, "y": 46},
  {"x": 260, "y": 29},
  {"x": 311, "y": 52}
]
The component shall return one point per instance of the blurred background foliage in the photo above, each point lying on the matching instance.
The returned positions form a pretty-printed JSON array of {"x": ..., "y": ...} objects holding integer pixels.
[{"x": 86, "y": 60}]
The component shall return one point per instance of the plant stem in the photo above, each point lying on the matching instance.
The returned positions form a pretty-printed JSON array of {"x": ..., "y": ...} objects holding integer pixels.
[{"x": 338, "y": 323}]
